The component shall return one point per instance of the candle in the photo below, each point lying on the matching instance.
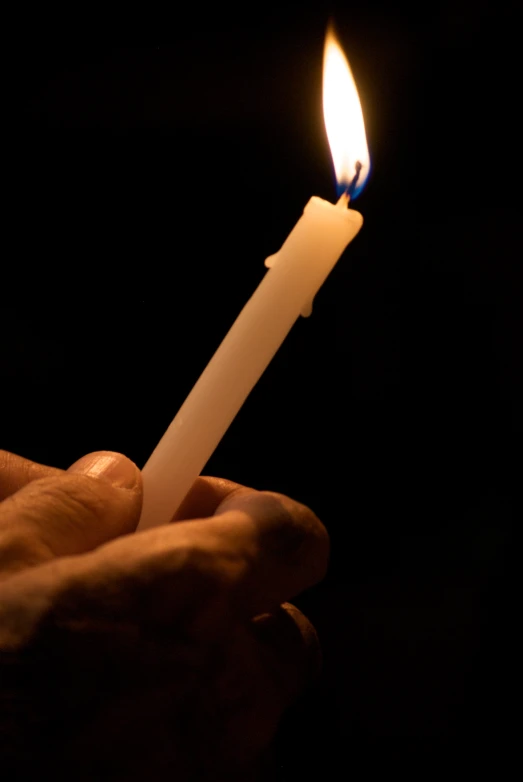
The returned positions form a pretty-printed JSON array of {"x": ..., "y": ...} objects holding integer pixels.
[{"x": 294, "y": 276}]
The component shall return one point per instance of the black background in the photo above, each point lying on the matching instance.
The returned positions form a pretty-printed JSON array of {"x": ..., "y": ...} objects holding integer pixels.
[{"x": 146, "y": 183}]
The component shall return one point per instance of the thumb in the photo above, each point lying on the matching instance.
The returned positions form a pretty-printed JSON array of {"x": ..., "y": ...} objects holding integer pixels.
[{"x": 96, "y": 500}]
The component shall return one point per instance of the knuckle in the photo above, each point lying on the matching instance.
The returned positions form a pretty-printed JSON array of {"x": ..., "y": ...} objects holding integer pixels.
[
  {"x": 199, "y": 580},
  {"x": 74, "y": 496},
  {"x": 299, "y": 515},
  {"x": 212, "y": 566},
  {"x": 203, "y": 563},
  {"x": 54, "y": 512},
  {"x": 298, "y": 535}
]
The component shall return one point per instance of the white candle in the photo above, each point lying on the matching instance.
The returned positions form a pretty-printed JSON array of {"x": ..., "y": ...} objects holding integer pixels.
[{"x": 295, "y": 275}]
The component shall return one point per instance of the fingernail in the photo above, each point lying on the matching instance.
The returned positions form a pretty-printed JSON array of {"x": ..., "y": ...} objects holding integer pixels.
[{"x": 115, "y": 468}]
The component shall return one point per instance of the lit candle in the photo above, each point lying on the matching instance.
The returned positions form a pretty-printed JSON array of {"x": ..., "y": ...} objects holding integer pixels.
[{"x": 287, "y": 290}]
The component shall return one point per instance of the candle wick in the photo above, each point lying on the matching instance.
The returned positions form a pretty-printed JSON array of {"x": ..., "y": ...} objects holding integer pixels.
[
  {"x": 352, "y": 187},
  {"x": 348, "y": 192}
]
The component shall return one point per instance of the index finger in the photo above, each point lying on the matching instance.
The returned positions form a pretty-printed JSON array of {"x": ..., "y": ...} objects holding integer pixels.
[{"x": 206, "y": 496}]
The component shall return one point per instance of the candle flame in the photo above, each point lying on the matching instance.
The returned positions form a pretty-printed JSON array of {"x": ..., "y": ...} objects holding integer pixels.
[{"x": 344, "y": 120}]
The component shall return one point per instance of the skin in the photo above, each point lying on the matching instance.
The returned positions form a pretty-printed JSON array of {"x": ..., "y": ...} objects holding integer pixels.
[{"x": 166, "y": 652}]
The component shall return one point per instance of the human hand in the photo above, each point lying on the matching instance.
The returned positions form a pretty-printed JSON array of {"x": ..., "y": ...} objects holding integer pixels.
[{"x": 133, "y": 656}]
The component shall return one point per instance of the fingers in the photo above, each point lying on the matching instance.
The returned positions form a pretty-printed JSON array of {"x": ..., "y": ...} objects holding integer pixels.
[
  {"x": 261, "y": 551},
  {"x": 99, "y": 498},
  {"x": 16, "y": 472}
]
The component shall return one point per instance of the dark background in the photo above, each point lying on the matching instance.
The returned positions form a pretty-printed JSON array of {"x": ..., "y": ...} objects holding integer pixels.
[{"x": 146, "y": 183}]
